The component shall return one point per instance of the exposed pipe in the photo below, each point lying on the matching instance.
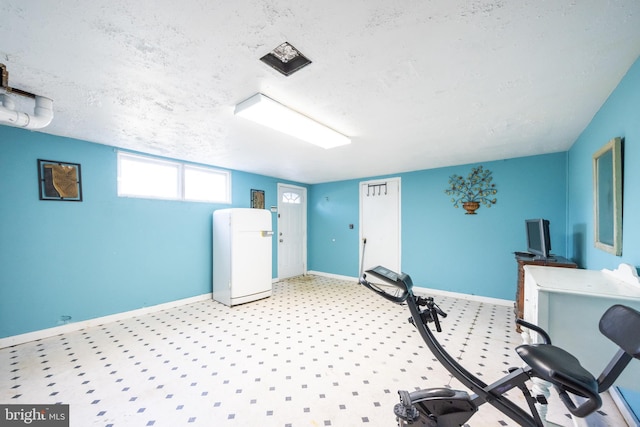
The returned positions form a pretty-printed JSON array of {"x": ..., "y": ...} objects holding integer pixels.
[
  {"x": 41, "y": 117},
  {"x": 42, "y": 112}
]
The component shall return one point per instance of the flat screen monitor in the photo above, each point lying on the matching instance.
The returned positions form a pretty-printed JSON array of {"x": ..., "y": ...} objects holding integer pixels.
[{"x": 538, "y": 240}]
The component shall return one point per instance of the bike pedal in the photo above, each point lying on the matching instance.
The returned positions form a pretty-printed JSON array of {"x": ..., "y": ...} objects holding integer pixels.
[
  {"x": 405, "y": 409},
  {"x": 407, "y": 413}
]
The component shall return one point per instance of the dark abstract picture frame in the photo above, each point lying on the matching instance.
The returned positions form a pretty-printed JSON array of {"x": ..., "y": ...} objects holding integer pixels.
[
  {"x": 257, "y": 199},
  {"x": 60, "y": 181}
]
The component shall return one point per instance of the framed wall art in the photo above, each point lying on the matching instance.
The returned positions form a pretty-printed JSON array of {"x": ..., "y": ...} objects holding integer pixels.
[
  {"x": 59, "y": 181},
  {"x": 257, "y": 199},
  {"x": 607, "y": 197}
]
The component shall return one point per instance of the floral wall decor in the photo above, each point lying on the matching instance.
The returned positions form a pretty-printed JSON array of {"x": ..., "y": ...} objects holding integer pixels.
[{"x": 472, "y": 191}]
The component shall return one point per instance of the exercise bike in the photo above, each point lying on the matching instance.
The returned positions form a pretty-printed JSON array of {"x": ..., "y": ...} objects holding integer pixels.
[{"x": 578, "y": 389}]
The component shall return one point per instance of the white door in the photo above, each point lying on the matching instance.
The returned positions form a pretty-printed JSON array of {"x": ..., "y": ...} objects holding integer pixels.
[
  {"x": 292, "y": 231},
  {"x": 380, "y": 224}
]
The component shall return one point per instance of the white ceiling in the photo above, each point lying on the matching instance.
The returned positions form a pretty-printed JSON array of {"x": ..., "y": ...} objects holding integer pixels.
[{"x": 417, "y": 84}]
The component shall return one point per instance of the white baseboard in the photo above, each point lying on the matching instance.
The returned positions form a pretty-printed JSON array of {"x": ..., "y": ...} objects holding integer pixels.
[
  {"x": 428, "y": 291},
  {"x": 76, "y": 326},
  {"x": 333, "y": 276},
  {"x": 477, "y": 298}
]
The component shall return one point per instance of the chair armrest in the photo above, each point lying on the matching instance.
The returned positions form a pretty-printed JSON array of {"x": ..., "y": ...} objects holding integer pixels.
[
  {"x": 535, "y": 328},
  {"x": 590, "y": 405}
]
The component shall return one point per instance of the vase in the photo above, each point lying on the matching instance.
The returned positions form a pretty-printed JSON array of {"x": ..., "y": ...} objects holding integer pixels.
[{"x": 470, "y": 207}]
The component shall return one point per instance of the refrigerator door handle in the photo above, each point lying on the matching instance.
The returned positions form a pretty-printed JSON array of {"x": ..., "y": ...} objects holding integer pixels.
[{"x": 266, "y": 233}]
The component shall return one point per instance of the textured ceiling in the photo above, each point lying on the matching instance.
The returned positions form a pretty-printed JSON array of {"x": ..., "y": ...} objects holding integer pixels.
[{"x": 416, "y": 84}]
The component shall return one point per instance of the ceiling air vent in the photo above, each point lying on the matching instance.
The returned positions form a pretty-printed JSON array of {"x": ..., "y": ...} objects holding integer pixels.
[{"x": 286, "y": 59}]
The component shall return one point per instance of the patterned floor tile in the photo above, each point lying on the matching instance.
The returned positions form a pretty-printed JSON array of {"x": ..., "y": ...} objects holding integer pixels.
[{"x": 319, "y": 352}]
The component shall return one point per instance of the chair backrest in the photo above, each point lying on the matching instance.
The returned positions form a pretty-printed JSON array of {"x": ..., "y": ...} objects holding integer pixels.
[{"x": 621, "y": 324}]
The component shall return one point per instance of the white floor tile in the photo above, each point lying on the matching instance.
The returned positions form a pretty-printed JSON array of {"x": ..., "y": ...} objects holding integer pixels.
[{"x": 319, "y": 352}]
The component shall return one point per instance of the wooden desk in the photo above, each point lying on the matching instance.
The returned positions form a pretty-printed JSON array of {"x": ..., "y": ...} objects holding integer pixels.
[{"x": 556, "y": 261}]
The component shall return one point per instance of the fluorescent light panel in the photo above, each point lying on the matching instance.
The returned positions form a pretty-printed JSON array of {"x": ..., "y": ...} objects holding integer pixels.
[{"x": 267, "y": 112}]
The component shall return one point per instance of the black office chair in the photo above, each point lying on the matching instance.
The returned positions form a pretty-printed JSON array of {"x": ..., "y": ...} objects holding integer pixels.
[{"x": 620, "y": 324}]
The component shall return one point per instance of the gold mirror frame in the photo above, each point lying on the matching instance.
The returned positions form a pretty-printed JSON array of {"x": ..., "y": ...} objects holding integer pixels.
[{"x": 607, "y": 197}]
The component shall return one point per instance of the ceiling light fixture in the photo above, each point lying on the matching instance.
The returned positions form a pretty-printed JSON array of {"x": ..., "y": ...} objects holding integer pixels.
[{"x": 267, "y": 112}]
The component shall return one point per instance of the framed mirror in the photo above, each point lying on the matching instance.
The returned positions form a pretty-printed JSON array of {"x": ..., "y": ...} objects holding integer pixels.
[{"x": 607, "y": 197}]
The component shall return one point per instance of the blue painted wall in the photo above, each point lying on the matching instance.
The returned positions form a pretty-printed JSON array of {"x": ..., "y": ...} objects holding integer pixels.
[
  {"x": 617, "y": 117},
  {"x": 331, "y": 246},
  {"x": 103, "y": 255},
  {"x": 107, "y": 254},
  {"x": 443, "y": 248}
]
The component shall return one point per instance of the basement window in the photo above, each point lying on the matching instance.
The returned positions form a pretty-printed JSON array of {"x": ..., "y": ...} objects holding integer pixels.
[
  {"x": 152, "y": 178},
  {"x": 206, "y": 184}
]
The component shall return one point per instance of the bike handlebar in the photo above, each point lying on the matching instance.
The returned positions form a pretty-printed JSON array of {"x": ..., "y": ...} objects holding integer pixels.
[
  {"x": 398, "y": 299},
  {"x": 404, "y": 284}
]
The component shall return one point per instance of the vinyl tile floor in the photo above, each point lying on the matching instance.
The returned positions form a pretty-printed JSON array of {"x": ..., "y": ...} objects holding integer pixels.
[{"x": 318, "y": 352}]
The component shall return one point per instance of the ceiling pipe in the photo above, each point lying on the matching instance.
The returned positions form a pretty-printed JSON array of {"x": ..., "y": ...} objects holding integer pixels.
[
  {"x": 41, "y": 117},
  {"x": 42, "y": 112}
]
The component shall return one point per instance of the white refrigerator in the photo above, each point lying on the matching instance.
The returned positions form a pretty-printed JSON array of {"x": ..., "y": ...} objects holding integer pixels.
[{"x": 242, "y": 270}]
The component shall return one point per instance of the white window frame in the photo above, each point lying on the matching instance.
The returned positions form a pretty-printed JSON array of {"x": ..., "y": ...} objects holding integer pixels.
[
  {"x": 286, "y": 198},
  {"x": 180, "y": 183},
  {"x": 226, "y": 198}
]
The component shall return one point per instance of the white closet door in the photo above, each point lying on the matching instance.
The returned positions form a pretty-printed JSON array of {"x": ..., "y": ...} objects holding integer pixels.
[{"x": 380, "y": 223}]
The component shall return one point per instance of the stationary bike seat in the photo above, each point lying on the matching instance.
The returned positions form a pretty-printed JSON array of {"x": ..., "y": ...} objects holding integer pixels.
[{"x": 562, "y": 369}]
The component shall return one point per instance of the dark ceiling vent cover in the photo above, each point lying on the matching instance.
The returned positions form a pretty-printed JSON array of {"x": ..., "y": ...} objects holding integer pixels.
[{"x": 286, "y": 59}]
